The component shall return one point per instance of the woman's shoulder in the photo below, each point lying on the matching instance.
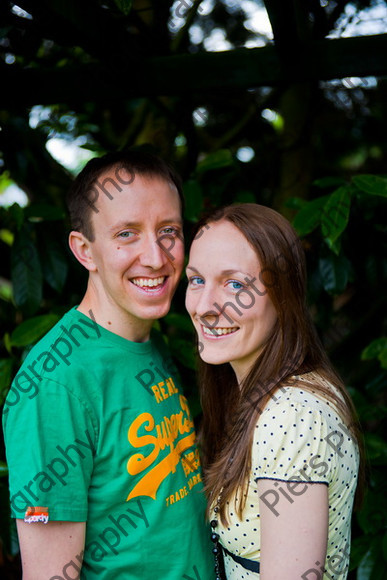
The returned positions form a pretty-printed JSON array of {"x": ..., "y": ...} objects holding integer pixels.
[{"x": 308, "y": 392}]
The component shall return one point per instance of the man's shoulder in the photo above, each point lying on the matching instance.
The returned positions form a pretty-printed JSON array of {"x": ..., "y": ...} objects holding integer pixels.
[
  {"x": 63, "y": 351},
  {"x": 73, "y": 329}
]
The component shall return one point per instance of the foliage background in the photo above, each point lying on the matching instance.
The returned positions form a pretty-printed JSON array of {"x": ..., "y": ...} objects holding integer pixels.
[{"x": 314, "y": 150}]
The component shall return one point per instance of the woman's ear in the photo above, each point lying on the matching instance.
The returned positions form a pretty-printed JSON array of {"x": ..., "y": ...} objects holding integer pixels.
[{"x": 81, "y": 248}]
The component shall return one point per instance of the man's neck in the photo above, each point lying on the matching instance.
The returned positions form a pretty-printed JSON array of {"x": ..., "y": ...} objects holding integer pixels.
[{"x": 135, "y": 331}]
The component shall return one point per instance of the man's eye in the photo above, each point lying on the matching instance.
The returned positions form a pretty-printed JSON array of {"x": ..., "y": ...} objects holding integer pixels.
[
  {"x": 126, "y": 234},
  {"x": 169, "y": 231}
]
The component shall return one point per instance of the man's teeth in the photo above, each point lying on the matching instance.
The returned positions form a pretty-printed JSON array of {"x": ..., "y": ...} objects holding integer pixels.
[
  {"x": 148, "y": 282},
  {"x": 218, "y": 331}
]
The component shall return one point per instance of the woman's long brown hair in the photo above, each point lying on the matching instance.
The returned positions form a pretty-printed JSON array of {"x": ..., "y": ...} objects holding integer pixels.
[{"x": 231, "y": 411}]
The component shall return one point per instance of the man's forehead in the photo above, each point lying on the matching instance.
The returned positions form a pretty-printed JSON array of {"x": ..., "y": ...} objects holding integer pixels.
[{"x": 134, "y": 203}]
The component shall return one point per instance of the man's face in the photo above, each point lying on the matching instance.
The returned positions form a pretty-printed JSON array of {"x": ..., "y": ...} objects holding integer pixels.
[{"x": 137, "y": 253}]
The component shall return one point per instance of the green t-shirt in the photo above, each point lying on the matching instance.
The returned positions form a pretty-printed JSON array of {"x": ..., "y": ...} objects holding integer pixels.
[{"x": 97, "y": 430}]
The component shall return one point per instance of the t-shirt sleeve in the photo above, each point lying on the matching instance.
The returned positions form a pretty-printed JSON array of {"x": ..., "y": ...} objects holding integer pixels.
[
  {"x": 291, "y": 443},
  {"x": 50, "y": 440}
]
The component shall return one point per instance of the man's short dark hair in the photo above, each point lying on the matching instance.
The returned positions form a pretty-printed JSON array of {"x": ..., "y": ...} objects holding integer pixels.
[{"x": 86, "y": 188}]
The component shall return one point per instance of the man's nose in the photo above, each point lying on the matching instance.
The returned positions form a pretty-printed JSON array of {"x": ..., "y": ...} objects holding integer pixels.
[{"x": 152, "y": 255}]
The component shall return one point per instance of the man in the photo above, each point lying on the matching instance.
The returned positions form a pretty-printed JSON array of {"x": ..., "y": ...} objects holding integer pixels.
[{"x": 104, "y": 470}]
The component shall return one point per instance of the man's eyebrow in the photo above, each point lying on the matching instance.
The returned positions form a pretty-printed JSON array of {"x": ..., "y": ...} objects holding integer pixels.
[
  {"x": 172, "y": 220},
  {"x": 123, "y": 224},
  {"x": 137, "y": 224}
]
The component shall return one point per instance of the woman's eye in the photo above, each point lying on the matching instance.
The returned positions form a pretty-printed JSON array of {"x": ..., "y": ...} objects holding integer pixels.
[
  {"x": 235, "y": 285},
  {"x": 195, "y": 281}
]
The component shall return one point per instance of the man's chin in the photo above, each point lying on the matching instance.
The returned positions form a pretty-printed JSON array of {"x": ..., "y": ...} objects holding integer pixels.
[{"x": 156, "y": 312}]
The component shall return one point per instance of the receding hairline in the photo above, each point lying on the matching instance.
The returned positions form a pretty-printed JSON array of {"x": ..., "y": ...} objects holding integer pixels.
[{"x": 148, "y": 174}]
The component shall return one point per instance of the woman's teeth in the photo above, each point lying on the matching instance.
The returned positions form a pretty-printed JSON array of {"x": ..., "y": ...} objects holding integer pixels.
[{"x": 218, "y": 331}]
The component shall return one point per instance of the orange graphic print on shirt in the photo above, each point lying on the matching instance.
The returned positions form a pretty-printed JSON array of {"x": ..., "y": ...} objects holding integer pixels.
[{"x": 165, "y": 434}]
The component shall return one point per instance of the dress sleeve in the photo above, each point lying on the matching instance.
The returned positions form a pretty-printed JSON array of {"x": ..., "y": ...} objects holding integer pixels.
[
  {"x": 292, "y": 442},
  {"x": 50, "y": 440}
]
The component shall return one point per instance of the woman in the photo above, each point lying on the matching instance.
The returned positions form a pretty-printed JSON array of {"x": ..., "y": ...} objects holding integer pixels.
[{"x": 279, "y": 437}]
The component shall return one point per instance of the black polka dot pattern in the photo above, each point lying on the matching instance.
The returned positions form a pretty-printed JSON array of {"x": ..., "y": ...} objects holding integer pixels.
[{"x": 298, "y": 435}]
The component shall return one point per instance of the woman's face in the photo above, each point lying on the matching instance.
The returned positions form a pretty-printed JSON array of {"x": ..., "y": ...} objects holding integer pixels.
[{"x": 226, "y": 298}]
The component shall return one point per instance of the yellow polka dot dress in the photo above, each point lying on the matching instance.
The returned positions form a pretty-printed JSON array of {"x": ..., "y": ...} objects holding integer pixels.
[{"x": 300, "y": 438}]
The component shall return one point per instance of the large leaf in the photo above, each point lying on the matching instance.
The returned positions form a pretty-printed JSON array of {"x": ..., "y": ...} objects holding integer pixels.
[
  {"x": 55, "y": 265},
  {"x": 31, "y": 330},
  {"x": 372, "y": 184},
  {"x": 26, "y": 273},
  {"x": 309, "y": 216},
  {"x": 335, "y": 214},
  {"x": 217, "y": 160},
  {"x": 335, "y": 272},
  {"x": 376, "y": 349}
]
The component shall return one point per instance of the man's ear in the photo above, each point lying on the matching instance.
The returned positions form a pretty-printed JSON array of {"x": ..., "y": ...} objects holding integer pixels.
[{"x": 81, "y": 248}]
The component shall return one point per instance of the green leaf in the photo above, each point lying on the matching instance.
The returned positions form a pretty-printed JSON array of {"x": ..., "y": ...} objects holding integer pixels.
[
  {"x": 26, "y": 273},
  {"x": 124, "y": 5},
  {"x": 55, "y": 265},
  {"x": 245, "y": 197},
  {"x": 335, "y": 214},
  {"x": 6, "y": 365},
  {"x": 217, "y": 160},
  {"x": 335, "y": 272},
  {"x": 3, "y": 469},
  {"x": 44, "y": 212},
  {"x": 184, "y": 352},
  {"x": 5, "y": 290},
  {"x": 376, "y": 448},
  {"x": 32, "y": 329},
  {"x": 309, "y": 216},
  {"x": 376, "y": 349},
  {"x": 193, "y": 196},
  {"x": 372, "y": 184},
  {"x": 334, "y": 246},
  {"x": 16, "y": 214},
  {"x": 359, "y": 548},
  {"x": 7, "y": 237},
  {"x": 295, "y": 203},
  {"x": 7, "y": 342},
  {"x": 179, "y": 321},
  {"x": 365, "y": 567},
  {"x": 329, "y": 182},
  {"x": 5, "y": 180}
]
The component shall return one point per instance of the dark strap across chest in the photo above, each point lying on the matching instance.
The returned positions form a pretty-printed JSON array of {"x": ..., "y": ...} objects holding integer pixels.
[{"x": 250, "y": 565}]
